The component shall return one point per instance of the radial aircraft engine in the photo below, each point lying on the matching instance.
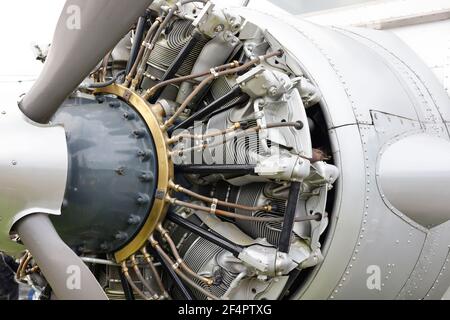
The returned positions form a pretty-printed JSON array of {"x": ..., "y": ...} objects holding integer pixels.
[{"x": 189, "y": 151}]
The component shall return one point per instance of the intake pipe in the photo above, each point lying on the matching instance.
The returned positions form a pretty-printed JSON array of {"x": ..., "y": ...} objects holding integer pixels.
[{"x": 85, "y": 32}]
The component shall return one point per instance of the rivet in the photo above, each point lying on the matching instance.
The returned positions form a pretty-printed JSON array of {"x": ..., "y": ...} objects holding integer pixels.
[
  {"x": 120, "y": 171},
  {"x": 133, "y": 219},
  {"x": 144, "y": 154},
  {"x": 121, "y": 235},
  {"x": 139, "y": 133},
  {"x": 129, "y": 116},
  {"x": 100, "y": 99},
  {"x": 146, "y": 176},
  {"x": 114, "y": 104},
  {"x": 142, "y": 199}
]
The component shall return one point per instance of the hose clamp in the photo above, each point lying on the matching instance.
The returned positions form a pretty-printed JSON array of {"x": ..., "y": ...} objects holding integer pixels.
[
  {"x": 214, "y": 205},
  {"x": 214, "y": 73}
]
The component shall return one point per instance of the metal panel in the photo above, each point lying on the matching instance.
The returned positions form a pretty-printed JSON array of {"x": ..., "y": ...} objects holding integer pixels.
[
  {"x": 435, "y": 100},
  {"x": 112, "y": 174},
  {"x": 431, "y": 42},
  {"x": 427, "y": 33},
  {"x": 387, "y": 126},
  {"x": 415, "y": 181},
  {"x": 385, "y": 237},
  {"x": 418, "y": 23},
  {"x": 347, "y": 215},
  {"x": 364, "y": 74},
  {"x": 33, "y": 170},
  {"x": 368, "y": 78},
  {"x": 385, "y": 241},
  {"x": 353, "y": 72},
  {"x": 430, "y": 277}
]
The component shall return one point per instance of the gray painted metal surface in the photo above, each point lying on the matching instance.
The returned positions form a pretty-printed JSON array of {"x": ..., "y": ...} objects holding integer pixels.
[
  {"x": 112, "y": 174},
  {"x": 374, "y": 89},
  {"x": 33, "y": 170},
  {"x": 415, "y": 180}
]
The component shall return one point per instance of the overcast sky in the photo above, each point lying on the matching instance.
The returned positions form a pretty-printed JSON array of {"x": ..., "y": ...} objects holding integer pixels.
[
  {"x": 25, "y": 22},
  {"x": 22, "y": 23},
  {"x": 306, "y": 6}
]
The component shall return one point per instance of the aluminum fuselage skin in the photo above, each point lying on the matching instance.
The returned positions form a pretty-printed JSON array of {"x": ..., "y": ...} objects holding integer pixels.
[{"x": 376, "y": 92}]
